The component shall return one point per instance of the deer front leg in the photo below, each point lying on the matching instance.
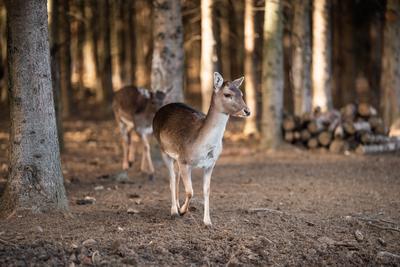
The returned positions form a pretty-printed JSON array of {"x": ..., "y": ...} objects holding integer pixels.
[
  {"x": 169, "y": 162},
  {"x": 146, "y": 164},
  {"x": 206, "y": 193},
  {"x": 186, "y": 172},
  {"x": 178, "y": 178},
  {"x": 125, "y": 139}
]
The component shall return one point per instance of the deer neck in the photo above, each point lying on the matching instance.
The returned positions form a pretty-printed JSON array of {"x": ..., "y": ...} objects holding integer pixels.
[{"x": 213, "y": 127}]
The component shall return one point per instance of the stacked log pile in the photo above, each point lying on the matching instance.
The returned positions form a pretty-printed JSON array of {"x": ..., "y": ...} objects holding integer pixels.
[{"x": 353, "y": 127}]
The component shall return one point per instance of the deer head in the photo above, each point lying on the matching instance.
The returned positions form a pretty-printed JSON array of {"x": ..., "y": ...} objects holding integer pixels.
[{"x": 228, "y": 98}]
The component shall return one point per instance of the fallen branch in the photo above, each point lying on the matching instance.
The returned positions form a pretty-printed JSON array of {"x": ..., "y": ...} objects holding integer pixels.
[
  {"x": 384, "y": 227},
  {"x": 7, "y": 243},
  {"x": 265, "y": 210}
]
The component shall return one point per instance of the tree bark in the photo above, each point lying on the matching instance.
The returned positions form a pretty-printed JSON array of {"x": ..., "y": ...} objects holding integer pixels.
[
  {"x": 144, "y": 45},
  {"x": 3, "y": 57},
  {"x": 208, "y": 53},
  {"x": 55, "y": 70},
  {"x": 105, "y": 56},
  {"x": 35, "y": 181},
  {"x": 225, "y": 39},
  {"x": 390, "y": 78},
  {"x": 65, "y": 59},
  {"x": 321, "y": 56},
  {"x": 272, "y": 76},
  {"x": 301, "y": 57},
  {"x": 168, "y": 54},
  {"x": 250, "y": 126}
]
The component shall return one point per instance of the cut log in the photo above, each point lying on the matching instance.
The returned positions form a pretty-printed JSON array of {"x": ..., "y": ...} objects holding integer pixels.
[
  {"x": 375, "y": 122},
  {"x": 362, "y": 126},
  {"x": 349, "y": 112},
  {"x": 315, "y": 126},
  {"x": 305, "y": 135},
  {"x": 339, "y": 132},
  {"x": 289, "y": 123},
  {"x": 349, "y": 128},
  {"x": 372, "y": 149},
  {"x": 366, "y": 110},
  {"x": 296, "y": 136},
  {"x": 368, "y": 138},
  {"x": 325, "y": 138},
  {"x": 312, "y": 143},
  {"x": 289, "y": 136},
  {"x": 337, "y": 146}
]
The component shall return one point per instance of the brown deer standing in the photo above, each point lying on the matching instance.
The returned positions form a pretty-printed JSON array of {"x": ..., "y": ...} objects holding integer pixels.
[
  {"x": 134, "y": 109},
  {"x": 194, "y": 140}
]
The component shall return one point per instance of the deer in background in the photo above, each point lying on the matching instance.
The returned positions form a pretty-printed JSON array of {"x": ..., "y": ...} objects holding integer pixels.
[
  {"x": 134, "y": 109},
  {"x": 194, "y": 140}
]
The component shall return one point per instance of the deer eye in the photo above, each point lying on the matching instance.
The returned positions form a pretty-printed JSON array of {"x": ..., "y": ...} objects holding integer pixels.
[{"x": 228, "y": 95}]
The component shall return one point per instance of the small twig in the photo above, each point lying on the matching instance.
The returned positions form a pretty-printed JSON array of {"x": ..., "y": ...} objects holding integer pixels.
[
  {"x": 265, "y": 210},
  {"x": 384, "y": 228}
]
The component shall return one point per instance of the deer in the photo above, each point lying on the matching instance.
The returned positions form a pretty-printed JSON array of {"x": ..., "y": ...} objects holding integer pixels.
[
  {"x": 194, "y": 140},
  {"x": 134, "y": 109}
]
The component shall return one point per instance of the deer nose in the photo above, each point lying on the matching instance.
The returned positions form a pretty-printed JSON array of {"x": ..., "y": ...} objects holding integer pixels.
[{"x": 247, "y": 112}]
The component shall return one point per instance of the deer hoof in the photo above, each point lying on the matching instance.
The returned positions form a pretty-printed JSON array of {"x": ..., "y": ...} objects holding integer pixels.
[
  {"x": 182, "y": 211},
  {"x": 208, "y": 224}
]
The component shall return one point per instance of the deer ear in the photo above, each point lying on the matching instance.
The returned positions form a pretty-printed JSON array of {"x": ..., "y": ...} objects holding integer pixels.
[
  {"x": 238, "y": 82},
  {"x": 218, "y": 81}
]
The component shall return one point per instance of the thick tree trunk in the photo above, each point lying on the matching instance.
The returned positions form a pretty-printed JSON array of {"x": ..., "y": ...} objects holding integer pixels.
[
  {"x": 390, "y": 78},
  {"x": 117, "y": 43},
  {"x": 301, "y": 57},
  {"x": 105, "y": 56},
  {"x": 80, "y": 67},
  {"x": 35, "y": 181},
  {"x": 144, "y": 46},
  {"x": 3, "y": 57},
  {"x": 55, "y": 70},
  {"x": 321, "y": 56},
  {"x": 65, "y": 59},
  {"x": 250, "y": 126},
  {"x": 208, "y": 53},
  {"x": 273, "y": 76},
  {"x": 92, "y": 45},
  {"x": 168, "y": 55}
]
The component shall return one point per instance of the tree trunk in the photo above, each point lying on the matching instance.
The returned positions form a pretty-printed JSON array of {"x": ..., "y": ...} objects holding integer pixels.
[
  {"x": 55, "y": 70},
  {"x": 105, "y": 56},
  {"x": 301, "y": 57},
  {"x": 144, "y": 48},
  {"x": 80, "y": 67},
  {"x": 3, "y": 57},
  {"x": 208, "y": 53},
  {"x": 65, "y": 59},
  {"x": 390, "y": 78},
  {"x": 35, "y": 180},
  {"x": 250, "y": 126},
  {"x": 168, "y": 55},
  {"x": 321, "y": 56},
  {"x": 225, "y": 39},
  {"x": 272, "y": 76}
]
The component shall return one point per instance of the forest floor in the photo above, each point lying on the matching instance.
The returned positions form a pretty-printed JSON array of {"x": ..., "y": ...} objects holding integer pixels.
[{"x": 290, "y": 207}]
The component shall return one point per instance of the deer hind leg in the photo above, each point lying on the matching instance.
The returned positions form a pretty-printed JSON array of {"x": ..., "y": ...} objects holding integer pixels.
[
  {"x": 125, "y": 138},
  {"x": 146, "y": 164},
  {"x": 186, "y": 172},
  {"x": 177, "y": 186},
  {"x": 169, "y": 162},
  {"x": 206, "y": 193},
  {"x": 132, "y": 150}
]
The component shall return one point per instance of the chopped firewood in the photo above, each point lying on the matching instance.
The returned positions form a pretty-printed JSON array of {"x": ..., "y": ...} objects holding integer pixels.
[
  {"x": 349, "y": 128},
  {"x": 368, "y": 138},
  {"x": 305, "y": 135},
  {"x": 366, "y": 110},
  {"x": 338, "y": 146},
  {"x": 349, "y": 112},
  {"x": 324, "y": 138},
  {"x": 372, "y": 149},
  {"x": 362, "y": 126},
  {"x": 315, "y": 126},
  {"x": 375, "y": 122},
  {"x": 289, "y": 123},
  {"x": 339, "y": 132},
  {"x": 296, "y": 135},
  {"x": 312, "y": 143},
  {"x": 289, "y": 137}
]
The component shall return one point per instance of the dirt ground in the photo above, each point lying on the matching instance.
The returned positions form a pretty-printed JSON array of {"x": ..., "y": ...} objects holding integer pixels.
[{"x": 290, "y": 207}]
